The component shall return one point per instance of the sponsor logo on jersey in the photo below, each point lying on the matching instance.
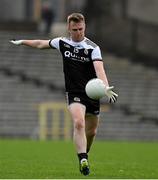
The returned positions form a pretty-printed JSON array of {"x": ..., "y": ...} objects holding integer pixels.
[{"x": 74, "y": 56}]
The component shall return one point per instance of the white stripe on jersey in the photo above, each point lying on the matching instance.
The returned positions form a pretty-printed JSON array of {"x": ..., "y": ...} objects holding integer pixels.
[{"x": 85, "y": 44}]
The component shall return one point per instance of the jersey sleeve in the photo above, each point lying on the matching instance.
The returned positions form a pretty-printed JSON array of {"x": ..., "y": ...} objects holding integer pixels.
[
  {"x": 96, "y": 54},
  {"x": 54, "y": 43}
]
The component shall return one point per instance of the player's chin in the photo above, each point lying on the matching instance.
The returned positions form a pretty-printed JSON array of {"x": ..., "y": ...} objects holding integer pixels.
[{"x": 79, "y": 38}]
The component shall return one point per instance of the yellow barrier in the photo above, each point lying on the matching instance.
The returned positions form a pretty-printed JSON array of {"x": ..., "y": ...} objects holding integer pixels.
[{"x": 58, "y": 129}]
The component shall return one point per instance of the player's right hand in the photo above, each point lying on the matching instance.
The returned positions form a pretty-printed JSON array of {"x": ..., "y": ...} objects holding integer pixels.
[{"x": 16, "y": 42}]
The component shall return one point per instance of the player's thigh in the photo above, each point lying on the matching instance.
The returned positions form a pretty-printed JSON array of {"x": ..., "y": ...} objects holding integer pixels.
[
  {"x": 77, "y": 111},
  {"x": 92, "y": 122}
]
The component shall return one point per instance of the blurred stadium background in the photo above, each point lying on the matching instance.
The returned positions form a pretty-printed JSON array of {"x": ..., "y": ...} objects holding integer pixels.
[{"x": 32, "y": 100}]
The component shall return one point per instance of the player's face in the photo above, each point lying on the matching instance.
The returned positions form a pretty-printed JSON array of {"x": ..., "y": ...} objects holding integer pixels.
[{"x": 77, "y": 31}]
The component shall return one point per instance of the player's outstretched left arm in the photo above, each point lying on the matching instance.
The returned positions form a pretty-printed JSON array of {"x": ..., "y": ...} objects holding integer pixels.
[{"x": 40, "y": 44}]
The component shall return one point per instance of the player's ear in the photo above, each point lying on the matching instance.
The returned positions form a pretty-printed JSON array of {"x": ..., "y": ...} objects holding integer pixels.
[{"x": 85, "y": 26}]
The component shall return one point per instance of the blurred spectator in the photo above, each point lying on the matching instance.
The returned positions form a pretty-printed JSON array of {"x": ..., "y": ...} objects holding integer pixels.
[{"x": 47, "y": 17}]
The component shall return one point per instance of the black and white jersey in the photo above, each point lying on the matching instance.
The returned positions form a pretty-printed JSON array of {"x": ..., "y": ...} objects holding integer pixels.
[{"x": 78, "y": 60}]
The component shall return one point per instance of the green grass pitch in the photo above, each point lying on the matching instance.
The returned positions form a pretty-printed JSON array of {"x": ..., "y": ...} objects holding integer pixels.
[{"x": 26, "y": 159}]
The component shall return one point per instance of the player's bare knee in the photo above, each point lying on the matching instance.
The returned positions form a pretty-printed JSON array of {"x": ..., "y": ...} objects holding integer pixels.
[
  {"x": 91, "y": 133},
  {"x": 79, "y": 124}
]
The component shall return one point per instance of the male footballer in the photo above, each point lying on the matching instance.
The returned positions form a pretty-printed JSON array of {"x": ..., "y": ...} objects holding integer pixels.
[{"x": 82, "y": 61}]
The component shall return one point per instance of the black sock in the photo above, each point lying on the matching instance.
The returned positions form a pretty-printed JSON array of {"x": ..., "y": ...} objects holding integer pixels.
[{"x": 82, "y": 156}]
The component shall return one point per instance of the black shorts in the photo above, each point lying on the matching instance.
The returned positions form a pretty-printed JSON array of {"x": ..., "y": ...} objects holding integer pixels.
[{"x": 92, "y": 106}]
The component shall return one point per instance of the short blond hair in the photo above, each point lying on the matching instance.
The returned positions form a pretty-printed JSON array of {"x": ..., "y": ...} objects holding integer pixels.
[{"x": 75, "y": 17}]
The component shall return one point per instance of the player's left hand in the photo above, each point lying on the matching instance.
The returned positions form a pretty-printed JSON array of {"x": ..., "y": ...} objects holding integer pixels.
[{"x": 112, "y": 96}]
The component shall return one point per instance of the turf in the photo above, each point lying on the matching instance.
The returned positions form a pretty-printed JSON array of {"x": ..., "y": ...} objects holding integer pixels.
[{"x": 26, "y": 159}]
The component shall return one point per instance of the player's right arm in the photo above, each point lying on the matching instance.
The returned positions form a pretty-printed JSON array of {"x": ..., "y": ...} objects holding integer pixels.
[{"x": 40, "y": 44}]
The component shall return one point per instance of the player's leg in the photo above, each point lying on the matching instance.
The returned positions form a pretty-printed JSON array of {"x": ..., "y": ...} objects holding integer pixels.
[
  {"x": 77, "y": 112},
  {"x": 91, "y": 129}
]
